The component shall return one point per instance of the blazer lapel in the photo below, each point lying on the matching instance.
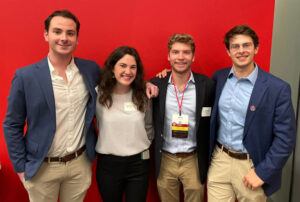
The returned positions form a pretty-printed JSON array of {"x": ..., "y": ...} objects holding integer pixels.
[
  {"x": 221, "y": 80},
  {"x": 82, "y": 71},
  {"x": 200, "y": 93},
  {"x": 91, "y": 89},
  {"x": 44, "y": 78},
  {"x": 255, "y": 100},
  {"x": 162, "y": 96}
]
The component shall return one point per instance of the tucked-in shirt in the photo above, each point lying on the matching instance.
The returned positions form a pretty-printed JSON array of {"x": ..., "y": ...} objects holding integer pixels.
[
  {"x": 123, "y": 129},
  {"x": 233, "y": 105},
  {"x": 173, "y": 144},
  {"x": 70, "y": 107}
]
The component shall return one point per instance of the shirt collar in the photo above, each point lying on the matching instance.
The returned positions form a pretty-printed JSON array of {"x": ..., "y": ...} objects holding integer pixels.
[
  {"x": 71, "y": 66},
  {"x": 191, "y": 79},
  {"x": 251, "y": 77}
]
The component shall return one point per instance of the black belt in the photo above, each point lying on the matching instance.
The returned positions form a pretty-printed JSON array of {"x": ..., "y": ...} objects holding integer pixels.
[
  {"x": 236, "y": 155},
  {"x": 181, "y": 154},
  {"x": 66, "y": 158}
]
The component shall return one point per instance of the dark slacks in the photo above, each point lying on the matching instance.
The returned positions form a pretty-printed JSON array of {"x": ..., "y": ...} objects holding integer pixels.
[{"x": 118, "y": 175}]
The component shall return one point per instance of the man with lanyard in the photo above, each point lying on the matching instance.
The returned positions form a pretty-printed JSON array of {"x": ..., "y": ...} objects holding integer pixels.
[
  {"x": 181, "y": 114},
  {"x": 252, "y": 125}
]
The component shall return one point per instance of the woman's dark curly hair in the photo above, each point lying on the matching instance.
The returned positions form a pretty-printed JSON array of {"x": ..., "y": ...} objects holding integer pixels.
[{"x": 108, "y": 81}]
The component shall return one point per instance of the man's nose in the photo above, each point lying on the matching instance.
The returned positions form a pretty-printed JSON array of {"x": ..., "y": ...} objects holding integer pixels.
[
  {"x": 180, "y": 56},
  {"x": 63, "y": 36}
]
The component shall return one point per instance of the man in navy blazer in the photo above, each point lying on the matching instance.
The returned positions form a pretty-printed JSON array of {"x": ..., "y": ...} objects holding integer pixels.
[
  {"x": 48, "y": 125},
  {"x": 252, "y": 125}
]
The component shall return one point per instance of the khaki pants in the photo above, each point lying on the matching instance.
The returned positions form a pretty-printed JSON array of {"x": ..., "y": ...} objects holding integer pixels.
[
  {"x": 174, "y": 170},
  {"x": 225, "y": 180},
  {"x": 69, "y": 181}
]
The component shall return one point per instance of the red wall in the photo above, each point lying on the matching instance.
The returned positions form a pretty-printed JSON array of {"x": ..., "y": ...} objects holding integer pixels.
[{"x": 145, "y": 25}]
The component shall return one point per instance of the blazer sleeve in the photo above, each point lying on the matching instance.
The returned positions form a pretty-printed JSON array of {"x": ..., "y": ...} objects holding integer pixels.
[
  {"x": 155, "y": 81},
  {"x": 284, "y": 131},
  {"x": 15, "y": 122},
  {"x": 158, "y": 81},
  {"x": 149, "y": 121}
]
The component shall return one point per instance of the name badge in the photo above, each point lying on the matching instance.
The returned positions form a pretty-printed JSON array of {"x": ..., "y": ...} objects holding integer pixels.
[
  {"x": 206, "y": 111},
  {"x": 180, "y": 126},
  {"x": 145, "y": 155},
  {"x": 129, "y": 107}
]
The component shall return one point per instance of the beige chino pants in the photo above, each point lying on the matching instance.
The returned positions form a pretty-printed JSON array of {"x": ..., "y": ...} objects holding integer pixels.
[
  {"x": 69, "y": 181},
  {"x": 225, "y": 180},
  {"x": 175, "y": 170}
]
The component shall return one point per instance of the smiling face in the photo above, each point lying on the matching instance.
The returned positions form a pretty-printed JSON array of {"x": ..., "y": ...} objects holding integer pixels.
[
  {"x": 62, "y": 36},
  {"x": 242, "y": 51},
  {"x": 125, "y": 71},
  {"x": 181, "y": 57}
]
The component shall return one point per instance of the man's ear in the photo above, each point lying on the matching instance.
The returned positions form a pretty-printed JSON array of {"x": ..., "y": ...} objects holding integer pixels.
[
  {"x": 256, "y": 50},
  {"x": 227, "y": 51},
  {"x": 46, "y": 35}
]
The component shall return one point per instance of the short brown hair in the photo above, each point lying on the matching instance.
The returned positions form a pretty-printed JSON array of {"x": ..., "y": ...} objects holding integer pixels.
[
  {"x": 182, "y": 38},
  {"x": 241, "y": 30},
  {"x": 62, "y": 13}
]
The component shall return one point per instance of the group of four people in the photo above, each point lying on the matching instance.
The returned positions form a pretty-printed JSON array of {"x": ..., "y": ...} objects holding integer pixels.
[{"x": 234, "y": 132}]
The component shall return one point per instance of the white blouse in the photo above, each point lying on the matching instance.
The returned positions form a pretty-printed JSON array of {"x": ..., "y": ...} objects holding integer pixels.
[{"x": 123, "y": 129}]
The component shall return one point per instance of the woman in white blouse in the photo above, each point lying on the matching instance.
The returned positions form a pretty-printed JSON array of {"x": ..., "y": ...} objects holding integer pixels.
[{"x": 124, "y": 118}]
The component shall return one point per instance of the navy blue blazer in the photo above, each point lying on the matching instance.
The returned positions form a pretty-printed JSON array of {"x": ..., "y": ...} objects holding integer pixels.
[
  {"x": 31, "y": 103},
  {"x": 270, "y": 127}
]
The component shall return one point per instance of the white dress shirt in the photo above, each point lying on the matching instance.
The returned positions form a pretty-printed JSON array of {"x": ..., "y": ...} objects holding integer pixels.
[{"x": 71, "y": 98}]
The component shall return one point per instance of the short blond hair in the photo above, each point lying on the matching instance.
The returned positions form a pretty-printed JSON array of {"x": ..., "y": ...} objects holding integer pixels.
[{"x": 182, "y": 38}]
